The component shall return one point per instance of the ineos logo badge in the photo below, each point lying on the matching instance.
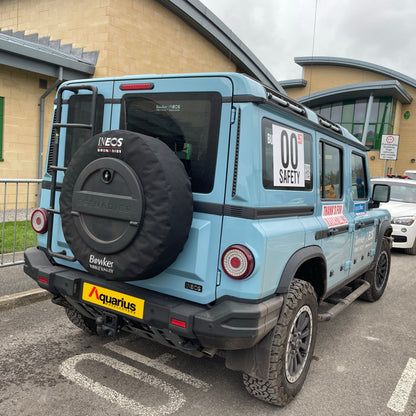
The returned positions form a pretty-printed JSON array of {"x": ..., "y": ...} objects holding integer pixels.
[{"x": 109, "y": 144}]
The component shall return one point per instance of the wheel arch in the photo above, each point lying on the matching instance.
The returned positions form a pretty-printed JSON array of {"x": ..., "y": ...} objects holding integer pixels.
[
  {"x": 384, "y": 230},
  {"x": 307, "y": 264}
]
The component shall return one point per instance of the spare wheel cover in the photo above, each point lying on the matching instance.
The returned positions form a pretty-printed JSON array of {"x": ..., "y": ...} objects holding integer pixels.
[{"x": 126, "y": 205}]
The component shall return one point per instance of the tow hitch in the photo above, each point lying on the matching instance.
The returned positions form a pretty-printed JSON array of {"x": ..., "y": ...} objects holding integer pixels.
[{"x": 108, "y": 324}]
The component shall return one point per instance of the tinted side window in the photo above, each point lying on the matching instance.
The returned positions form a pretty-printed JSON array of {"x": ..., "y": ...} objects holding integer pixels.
[
  {"x": 187, "y": 122},
  {"x": 358, "y": 178},
  {"x": 79, "y": 111},
  {"x": 330, "y": 171},
  {"x": 287, "y": 157}
]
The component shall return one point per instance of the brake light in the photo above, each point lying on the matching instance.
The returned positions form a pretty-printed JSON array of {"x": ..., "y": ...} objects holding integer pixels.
[
  {"x": 133, "y": 87},
  {"x": 391, "y": 175},
  {"x": 177, "y": 322},
  {"x": 39, "y": 220},
  {"x": 238, "y": 261}
]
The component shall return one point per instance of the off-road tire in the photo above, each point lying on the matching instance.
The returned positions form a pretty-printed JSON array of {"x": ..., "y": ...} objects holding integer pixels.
[
  {"x": 379, "y": 275},
  {"x": 88, "y": 325},
  {"x": 300, "y": 307}
]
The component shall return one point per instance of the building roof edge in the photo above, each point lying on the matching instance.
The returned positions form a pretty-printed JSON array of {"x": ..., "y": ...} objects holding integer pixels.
[
  {"x": 211, "y": 27},
  {"x": 353, "y": 63},
  {"x": 378, "y": 88}
]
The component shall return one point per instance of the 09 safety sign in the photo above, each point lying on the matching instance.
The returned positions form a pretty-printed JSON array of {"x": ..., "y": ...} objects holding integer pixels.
[{"x": 288, "y": 157}]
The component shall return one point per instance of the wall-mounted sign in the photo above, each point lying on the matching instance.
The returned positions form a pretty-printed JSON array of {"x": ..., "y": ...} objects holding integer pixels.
[
  {"x": 389, "y": 146},
  {"x": 406, "y": 115}
]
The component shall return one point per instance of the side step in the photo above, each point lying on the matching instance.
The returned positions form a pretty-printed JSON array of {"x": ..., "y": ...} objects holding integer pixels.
[{"x": 343, "y": 303}]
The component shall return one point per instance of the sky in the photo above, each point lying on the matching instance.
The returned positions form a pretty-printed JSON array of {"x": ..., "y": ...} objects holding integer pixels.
[{"x": 381, "y": 32}]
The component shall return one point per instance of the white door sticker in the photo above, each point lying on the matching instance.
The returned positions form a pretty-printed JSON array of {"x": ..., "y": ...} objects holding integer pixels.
[{"x": 288, "y": 157}]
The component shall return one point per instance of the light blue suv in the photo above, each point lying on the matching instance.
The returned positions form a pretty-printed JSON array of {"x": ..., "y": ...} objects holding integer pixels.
[{"x": 208, "y": 213}]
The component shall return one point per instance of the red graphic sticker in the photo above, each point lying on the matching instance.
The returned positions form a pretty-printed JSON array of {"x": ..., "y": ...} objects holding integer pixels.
[{"x": 333, "y": 216}]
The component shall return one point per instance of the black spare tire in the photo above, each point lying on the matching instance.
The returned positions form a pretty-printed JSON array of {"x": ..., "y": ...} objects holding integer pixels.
[{"x": 126, "y": 205}]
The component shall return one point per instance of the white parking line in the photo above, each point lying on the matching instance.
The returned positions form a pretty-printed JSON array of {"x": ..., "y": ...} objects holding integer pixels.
[
  {"x": 175, "y": 398},
  {"x": 159, "y": 365},
  {"x": 400, "y": 396}
]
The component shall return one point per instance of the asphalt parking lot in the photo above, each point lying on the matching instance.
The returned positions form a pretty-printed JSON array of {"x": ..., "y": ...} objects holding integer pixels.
[{"x": 364, "y": 364}]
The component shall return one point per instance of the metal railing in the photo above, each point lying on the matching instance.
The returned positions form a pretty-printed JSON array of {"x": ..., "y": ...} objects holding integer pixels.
[{"x": 19, "y": 197}]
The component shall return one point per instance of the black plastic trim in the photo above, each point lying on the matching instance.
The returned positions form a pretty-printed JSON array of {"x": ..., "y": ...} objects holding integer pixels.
[
  {"x": 226, "y": 324},
  {"x": 319, "y": 235},
  {"x": 364, "y": 224},
  {"x": 251, "y": 213},
  {"x": 298, "y": 258}
]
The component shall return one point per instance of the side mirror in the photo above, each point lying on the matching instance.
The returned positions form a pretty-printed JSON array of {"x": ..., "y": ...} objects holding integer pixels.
[{"x": 381, "y": 193}]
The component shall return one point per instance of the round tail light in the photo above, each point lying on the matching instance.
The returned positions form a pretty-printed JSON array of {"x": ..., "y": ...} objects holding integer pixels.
[
  {"x": 237, "y": 261},
  {"x": 39, "y": 220}
]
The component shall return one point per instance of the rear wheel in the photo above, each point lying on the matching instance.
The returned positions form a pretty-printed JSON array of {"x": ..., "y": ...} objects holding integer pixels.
[
  {"x": 88, "y": 325},
  {"x": 292, "y": 347},
  {"x": 379, "y": 275}
]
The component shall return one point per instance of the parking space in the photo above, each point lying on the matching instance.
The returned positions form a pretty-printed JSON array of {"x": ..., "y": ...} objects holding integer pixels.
[{"x": 364, "y": 363}]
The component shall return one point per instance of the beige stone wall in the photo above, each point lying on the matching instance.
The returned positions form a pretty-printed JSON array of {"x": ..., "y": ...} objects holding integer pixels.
[
  {"x": 324, "y": 77},
  {"x": 132, "y": 37},
  {"x": 21, "y": 93}
]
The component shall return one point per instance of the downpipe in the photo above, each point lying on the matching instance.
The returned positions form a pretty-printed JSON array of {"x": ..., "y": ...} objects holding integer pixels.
[{"x": 41, "y": 124}]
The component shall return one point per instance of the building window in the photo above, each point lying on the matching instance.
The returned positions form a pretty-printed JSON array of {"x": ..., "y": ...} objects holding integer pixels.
[
  {"x": 1, "y": 127},
  {"x": 351, "y": 115}
]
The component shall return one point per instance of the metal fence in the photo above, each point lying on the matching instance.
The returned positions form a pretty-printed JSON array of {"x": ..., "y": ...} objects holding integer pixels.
[{"x": 19, "y": 198}]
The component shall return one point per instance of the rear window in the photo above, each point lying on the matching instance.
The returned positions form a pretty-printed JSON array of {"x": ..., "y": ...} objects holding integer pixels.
[
  {"x": 287, "y": 157},
  {"x": 79, "y": 112},
  {"x": 187, "y": 122}
]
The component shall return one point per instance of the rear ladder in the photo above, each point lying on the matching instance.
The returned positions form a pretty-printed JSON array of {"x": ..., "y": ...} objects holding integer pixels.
[{"x": 57, "y": 125}]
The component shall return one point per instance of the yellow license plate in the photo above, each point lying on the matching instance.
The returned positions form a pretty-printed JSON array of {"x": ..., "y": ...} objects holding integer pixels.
[{"x": 110, "y": 299}]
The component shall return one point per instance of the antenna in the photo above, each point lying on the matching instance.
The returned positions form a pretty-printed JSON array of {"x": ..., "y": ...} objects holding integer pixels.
[{"x": 313, "y": 43}]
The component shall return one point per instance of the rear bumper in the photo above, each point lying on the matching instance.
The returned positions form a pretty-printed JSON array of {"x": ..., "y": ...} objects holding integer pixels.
[{"x": 227, "y": 324}]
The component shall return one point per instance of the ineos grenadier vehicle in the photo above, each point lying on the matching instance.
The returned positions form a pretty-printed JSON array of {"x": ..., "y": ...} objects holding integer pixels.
[{"x": 209, "y": 213}]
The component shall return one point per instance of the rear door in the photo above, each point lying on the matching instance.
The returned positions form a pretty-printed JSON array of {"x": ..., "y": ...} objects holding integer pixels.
[
  {"x": 192, "y": 117},
  {"x": 336, "y": 234}
]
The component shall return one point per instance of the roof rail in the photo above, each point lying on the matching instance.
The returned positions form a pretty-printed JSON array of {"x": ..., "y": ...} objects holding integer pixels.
[
  {"x": 329, "y": 124},
  {"x": 285, "y": 101}
]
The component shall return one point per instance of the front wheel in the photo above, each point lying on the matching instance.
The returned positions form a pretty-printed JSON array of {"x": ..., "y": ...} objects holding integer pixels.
[
  {"x": 379, "y": 275},
  {"x": 292, "y": 347}
]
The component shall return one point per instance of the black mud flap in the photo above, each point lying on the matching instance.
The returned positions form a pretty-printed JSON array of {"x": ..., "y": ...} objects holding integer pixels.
[{"x": 253, "y": 361}]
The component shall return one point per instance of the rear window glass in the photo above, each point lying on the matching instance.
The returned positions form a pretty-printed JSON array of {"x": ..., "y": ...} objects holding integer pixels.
[
  {"x": 79, "y": 112},
  {"x": 287, "y": 157},
  {"x": 187, "y": 122}
]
